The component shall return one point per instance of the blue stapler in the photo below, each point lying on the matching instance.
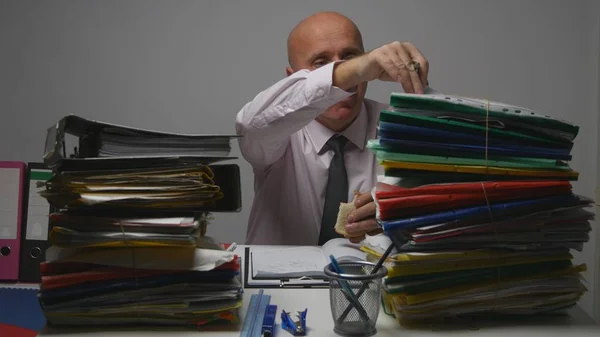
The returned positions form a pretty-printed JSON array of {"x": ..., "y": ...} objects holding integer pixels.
[{"x": 295, "y": 327}]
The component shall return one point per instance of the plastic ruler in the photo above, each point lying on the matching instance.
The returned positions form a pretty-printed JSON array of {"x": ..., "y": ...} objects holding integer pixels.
[{"x": 255, "y": 315}]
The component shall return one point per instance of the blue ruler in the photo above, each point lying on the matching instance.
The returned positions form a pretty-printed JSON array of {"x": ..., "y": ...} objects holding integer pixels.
[{"x": 255, "y": 315}]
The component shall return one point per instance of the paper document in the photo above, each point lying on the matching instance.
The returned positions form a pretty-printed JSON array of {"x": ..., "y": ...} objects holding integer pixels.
[{"x": 275, "y": 262}]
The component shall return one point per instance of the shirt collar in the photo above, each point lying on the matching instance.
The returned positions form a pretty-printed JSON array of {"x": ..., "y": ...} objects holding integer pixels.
[{"x": 356, "y": 133}]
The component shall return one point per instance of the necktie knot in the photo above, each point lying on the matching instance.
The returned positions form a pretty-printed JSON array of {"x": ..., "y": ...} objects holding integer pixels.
[{"x": 337, "y": 143}]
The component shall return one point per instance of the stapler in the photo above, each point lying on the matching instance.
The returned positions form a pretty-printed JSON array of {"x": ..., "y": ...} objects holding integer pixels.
[{"x": 295, "y": 327}]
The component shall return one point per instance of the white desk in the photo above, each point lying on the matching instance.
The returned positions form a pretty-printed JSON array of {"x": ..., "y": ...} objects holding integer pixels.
[{"x": 320, "y": 323}]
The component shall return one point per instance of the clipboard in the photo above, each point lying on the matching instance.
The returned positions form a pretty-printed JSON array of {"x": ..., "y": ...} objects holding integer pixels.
[{"x": 277, "y": 283}]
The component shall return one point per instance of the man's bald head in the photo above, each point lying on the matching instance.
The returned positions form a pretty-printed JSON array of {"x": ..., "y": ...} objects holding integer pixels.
[
  {"x": 314, "y": 31},
  {"x": 321, "y": 39}
]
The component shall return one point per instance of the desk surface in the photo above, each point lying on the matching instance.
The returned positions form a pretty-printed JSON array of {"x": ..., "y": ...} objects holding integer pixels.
[{"x": 320, "y": 322}]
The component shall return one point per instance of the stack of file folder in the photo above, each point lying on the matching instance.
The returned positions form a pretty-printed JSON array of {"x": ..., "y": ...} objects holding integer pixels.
[
  {"x": 483, "y": 216},
  {"x": 128, "y": 244}
]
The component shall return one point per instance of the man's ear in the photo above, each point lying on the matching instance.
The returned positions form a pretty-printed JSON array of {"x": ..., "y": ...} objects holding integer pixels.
[{"x": 289, "y": 71}]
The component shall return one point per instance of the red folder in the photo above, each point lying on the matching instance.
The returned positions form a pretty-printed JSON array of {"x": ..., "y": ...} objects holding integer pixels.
[
  {"x": 101, "y": 273},
  {"x": 389, "y": 191},
  {"x": 397, "y": 202}
]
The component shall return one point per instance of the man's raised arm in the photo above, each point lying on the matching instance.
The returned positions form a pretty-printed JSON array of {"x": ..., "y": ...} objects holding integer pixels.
[{"x": 267, "y": 122}]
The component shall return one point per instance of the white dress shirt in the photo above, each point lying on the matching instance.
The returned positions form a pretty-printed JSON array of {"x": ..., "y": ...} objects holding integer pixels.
[{"x": 286, "y": 147}]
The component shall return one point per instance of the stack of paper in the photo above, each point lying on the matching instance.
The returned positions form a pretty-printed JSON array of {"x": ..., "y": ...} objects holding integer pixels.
[
  {"x": 115, "y": 141},
  {"x": 173, "y": 187},
  {"x": 129, "y": 244},
  {"x": 146, "y": 285},
  {"x": 483, "y": 215}
]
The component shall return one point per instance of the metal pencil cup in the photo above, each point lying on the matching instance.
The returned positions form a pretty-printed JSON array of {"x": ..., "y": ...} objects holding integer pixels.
[{"x": 355, "y": 297}]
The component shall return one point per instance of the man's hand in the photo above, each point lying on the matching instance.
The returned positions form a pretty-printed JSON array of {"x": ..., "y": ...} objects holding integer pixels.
[
  {"x": 362, "y": 221},
  {"x": 391, "y": 62}
]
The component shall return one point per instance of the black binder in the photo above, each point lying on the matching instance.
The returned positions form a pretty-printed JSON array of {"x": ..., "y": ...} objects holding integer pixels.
[
  {"x": 149, "y": 149},
  {"x": 34, "y": 234}
]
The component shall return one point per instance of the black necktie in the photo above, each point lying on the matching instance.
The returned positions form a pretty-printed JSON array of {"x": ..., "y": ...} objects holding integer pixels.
[{"x": 336, "y": 190}]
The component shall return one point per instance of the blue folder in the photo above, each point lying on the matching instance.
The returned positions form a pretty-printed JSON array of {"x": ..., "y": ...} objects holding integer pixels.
[
  {"x": 411, "y": 132},
  {"x": 20, "y": 307},
  {"x": 460, "y": 150}
]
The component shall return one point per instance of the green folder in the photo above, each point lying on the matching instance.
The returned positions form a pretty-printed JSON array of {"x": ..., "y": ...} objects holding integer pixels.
[
  {"x": 487, "y": 109},
  {"x": 394, "y": 116},
  {"x": 509, "y": 162}
]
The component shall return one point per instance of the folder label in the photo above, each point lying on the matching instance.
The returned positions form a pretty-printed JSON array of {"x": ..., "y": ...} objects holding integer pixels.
[{"x": 37, "y": 212}]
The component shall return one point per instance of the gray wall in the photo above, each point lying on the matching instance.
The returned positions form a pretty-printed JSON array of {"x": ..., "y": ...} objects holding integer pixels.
[
  {"x": 189, "y": 66},
  {"x": 597, "y": 255}
]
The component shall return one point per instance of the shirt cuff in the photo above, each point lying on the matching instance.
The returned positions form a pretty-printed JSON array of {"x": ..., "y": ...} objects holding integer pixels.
[{"x": 323, "y": 93}]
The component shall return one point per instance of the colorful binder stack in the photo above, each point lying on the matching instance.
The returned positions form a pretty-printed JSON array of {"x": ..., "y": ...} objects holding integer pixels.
[
  {"x": 129, "y": 243},
  {"x": 483, "y": 216}
]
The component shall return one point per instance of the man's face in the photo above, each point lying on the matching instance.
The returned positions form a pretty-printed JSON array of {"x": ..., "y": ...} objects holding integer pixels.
[{"x": 324, "y": 42}]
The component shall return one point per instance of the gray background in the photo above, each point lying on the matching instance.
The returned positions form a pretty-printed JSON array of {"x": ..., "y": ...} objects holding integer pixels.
[{"x": 189, "y": 66}]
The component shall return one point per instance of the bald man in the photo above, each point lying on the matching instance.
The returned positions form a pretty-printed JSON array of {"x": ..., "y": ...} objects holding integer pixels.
[{"x": 305, "y": 135}]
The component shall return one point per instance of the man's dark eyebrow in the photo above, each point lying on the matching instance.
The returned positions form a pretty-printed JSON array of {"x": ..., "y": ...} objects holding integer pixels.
[
  {"x": 353, "y": 50},
  {"x": 348, "y": 50},
  {"x": 317, "y": 55}
]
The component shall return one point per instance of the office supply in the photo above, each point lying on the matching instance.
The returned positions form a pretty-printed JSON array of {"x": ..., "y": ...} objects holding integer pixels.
[
  {"x": 276, "y": 262},
  {"x": 165, "y": 258},
  {"x": 255, "y": 315},
  {"x": 401, "y": 117},
  {"x": 356, "y": 275},
  {"x": 175, "y": 187},
  {"x": 486, "y": 218},
  {"x": 379, "y": 267},
  {"x": 448, "y": 149},
  {"x": 35, "y": 223},
  {"x": 129, "y": 244},
  {"x": 231, "y": 247},
  {"x": 397, "y": 202},
  {"x": 574, "y": 321},
  {"x": 385, "y": 155},
  {"x": 12, "y": 177},
  {"x": 268, "y": 326},
  {"x": 20, "y": 313},
  {"x": 297, "y": 327},
  {"x": 182, "y": 188},
  {"x": 347, "y": 291},
  {"x": 478, "y": 110},
  {"x": 100, "y": 140},
  {"x": 420, "y": 133}
]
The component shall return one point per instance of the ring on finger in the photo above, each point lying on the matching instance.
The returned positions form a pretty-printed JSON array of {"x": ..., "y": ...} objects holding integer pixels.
[{"x": 414, "y": 65}]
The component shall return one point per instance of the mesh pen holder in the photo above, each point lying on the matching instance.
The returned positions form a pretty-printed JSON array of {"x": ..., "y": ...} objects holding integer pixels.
[{"x": 355, "y": 297}]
